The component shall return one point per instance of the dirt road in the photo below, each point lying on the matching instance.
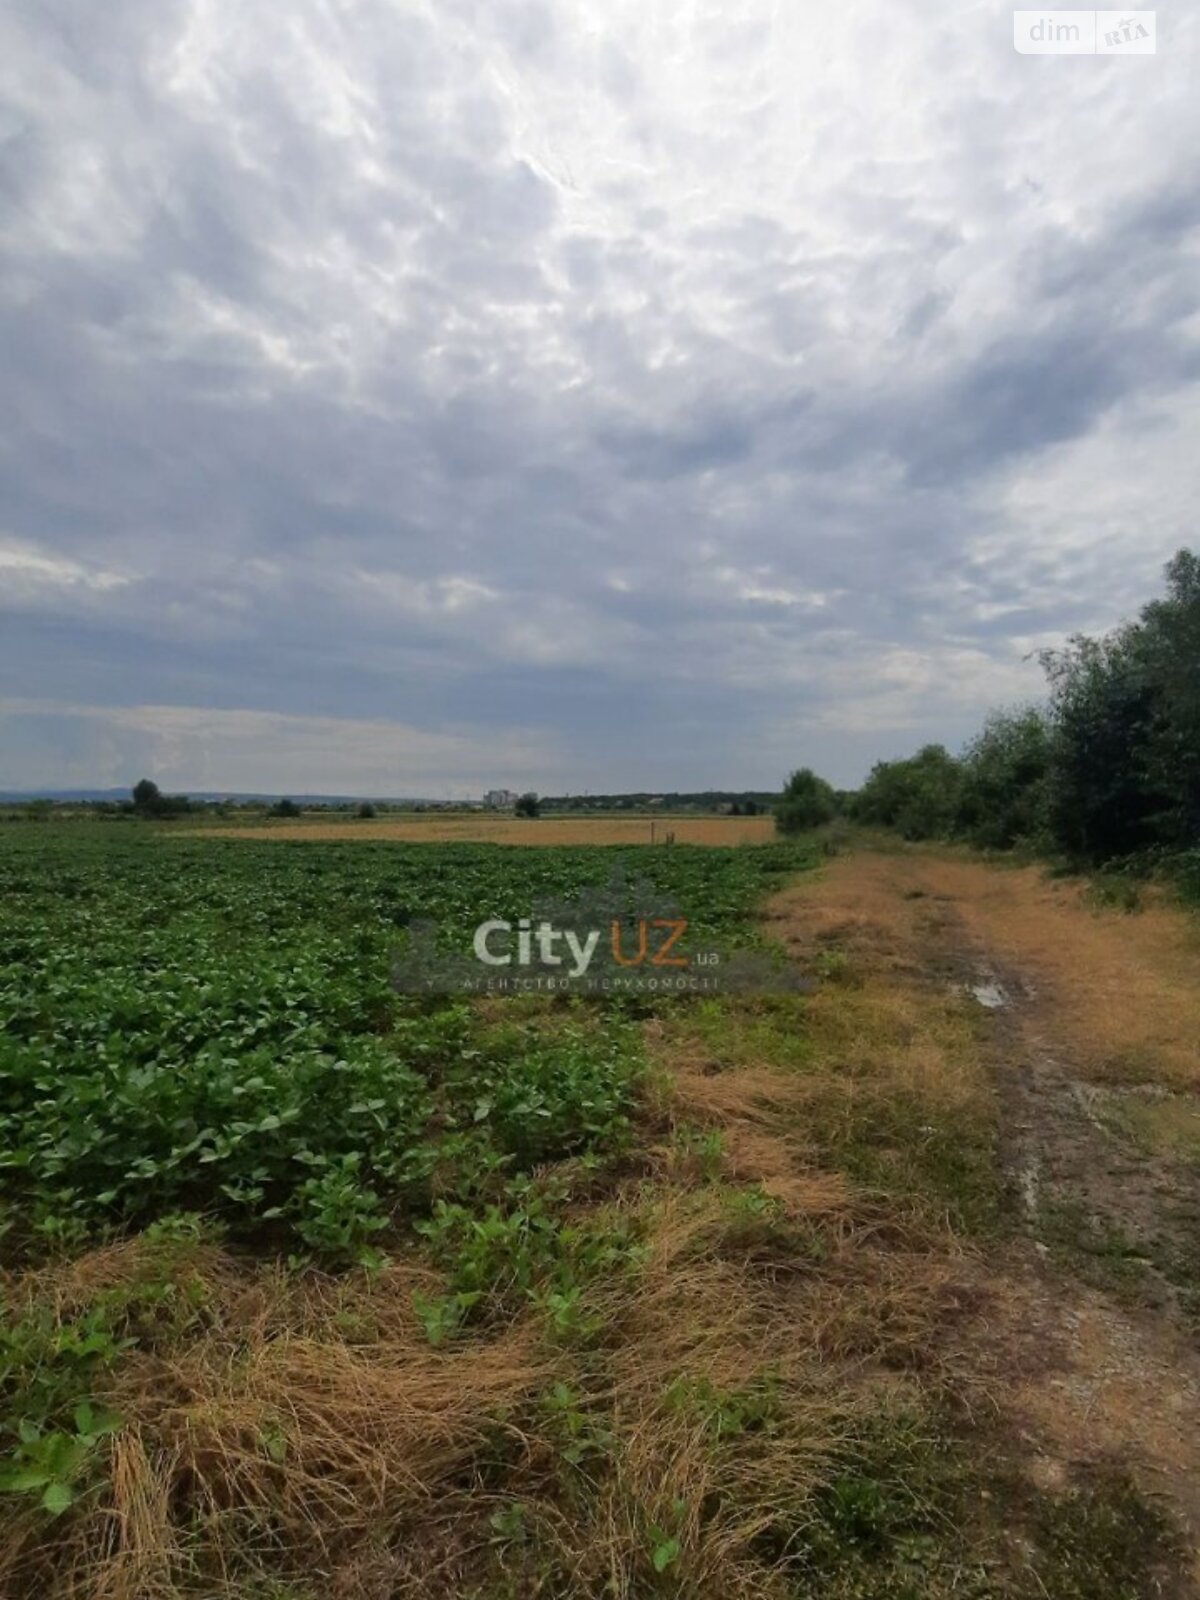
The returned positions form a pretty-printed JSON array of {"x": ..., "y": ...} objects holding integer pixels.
[{"x": 1087, "y": 1019}]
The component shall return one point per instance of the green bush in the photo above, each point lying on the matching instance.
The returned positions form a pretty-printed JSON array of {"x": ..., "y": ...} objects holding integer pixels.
[
  {"x": 1109, "y": 770},
  {"x": 1124, "y": 751},
  {"x": 1002, "y": 798},
  {"x": 807, "y": 802},
  {"x": 919, "y": 797}
]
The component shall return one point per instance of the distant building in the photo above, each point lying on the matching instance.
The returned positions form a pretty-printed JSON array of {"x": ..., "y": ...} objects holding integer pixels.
[{"x": 498, "y": 799}]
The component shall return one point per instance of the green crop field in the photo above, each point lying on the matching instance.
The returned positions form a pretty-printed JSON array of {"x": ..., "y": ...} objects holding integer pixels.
[{"x": 203, "y": 1025}]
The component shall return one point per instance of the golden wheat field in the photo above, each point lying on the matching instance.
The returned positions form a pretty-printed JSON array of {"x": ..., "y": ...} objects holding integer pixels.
[{"x": 484, "y": 829}]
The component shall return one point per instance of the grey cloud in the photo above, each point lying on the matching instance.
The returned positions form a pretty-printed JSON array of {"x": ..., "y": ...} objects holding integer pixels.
[{"x": 699, "y": 445}]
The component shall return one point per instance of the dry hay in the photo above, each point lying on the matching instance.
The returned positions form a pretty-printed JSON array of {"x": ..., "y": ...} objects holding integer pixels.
[{"x": 485, "y": 829}]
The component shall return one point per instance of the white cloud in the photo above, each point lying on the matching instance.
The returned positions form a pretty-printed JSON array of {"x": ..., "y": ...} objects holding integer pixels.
[{"x": 29, "y": 573}]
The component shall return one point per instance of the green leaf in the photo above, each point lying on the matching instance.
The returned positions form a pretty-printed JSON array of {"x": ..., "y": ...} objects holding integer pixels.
[
  {"x": 57, "y": 1498},
  {"x": 19, "y": 1480},
  {"x": 665, "y": 1552},
  {"x": 275, "y": 1442},
  {"x": 94, "y": 1424}
]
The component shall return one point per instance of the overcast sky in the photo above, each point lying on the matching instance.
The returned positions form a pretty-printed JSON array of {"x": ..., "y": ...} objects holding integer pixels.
[{"x": 413, "y": 398}]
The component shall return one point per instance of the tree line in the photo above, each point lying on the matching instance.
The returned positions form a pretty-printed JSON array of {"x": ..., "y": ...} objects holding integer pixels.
[{"x": 1106, "y": 769}]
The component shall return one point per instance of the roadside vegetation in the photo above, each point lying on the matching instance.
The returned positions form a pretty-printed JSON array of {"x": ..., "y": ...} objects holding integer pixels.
[
  {"x": 807, "y": 802},
  {"x": 1106, "y": 772}
]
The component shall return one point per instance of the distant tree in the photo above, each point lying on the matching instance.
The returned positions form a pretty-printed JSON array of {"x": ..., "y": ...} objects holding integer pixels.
[
  {"x": 807, "y": 802},
  {"x": 527, "y": 806},
  {"x": 149, "y": 802},
  {"x": 285, "y": 808},
  {"x": 366, "y": 809},
  {"x": 147, "y": 797}
]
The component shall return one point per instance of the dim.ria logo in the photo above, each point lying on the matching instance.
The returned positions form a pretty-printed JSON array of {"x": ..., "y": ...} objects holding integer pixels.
[{"x": 1085, "y": 33}]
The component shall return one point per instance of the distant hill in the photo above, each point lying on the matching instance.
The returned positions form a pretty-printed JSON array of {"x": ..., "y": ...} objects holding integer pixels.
[
  {"x": 66, "y": 796},
  {"x": 663, "y": 800}
]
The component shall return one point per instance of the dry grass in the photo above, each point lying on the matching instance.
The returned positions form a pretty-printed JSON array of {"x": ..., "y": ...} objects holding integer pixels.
[
  {"x": 717, "y": 1098},
  {"x": 266, "y": 1435},
  {"x": 484, "y": 829},
  {"x": 1119, "y": 991},
  {"x": 251, "y": 1447},
  {"x": 880, "y": 1074},
  {"x": 1111, "y": 993}
]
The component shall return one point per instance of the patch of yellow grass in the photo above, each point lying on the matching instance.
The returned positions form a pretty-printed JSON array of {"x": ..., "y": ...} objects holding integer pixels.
[
  {"x": 898, "y": 1039},
  {"x": 1118, "y": 993},
  {"x": 372, "y": 1466},
  {"x": 714, "y": 1099},
  {"x": 753, "y": 1155}
]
